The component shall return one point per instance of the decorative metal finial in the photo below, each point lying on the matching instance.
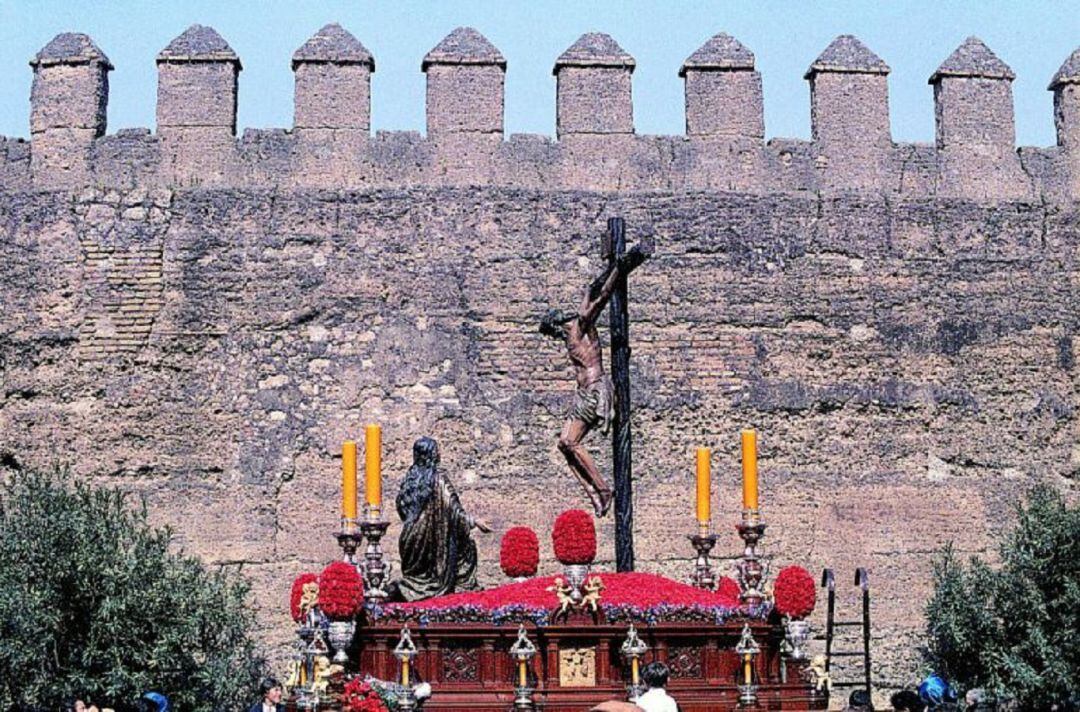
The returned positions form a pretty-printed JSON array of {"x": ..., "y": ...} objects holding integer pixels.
[
  {"x": 523, "y": 647},
  {"x": 633, "y": 649},
  {"x": 523, "y": 651},
  {"x": 747, "y": 649},
  {"x": 405, "y": 650}
]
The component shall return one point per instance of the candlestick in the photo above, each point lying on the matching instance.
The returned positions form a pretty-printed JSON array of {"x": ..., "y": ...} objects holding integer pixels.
[
  {"x": 373, "y": 469},
  {"x": 348, "y": 480},
  {"x": 375, "y": 569},
  {"x": 751, "y": 572},
  {"x": 749, "y": 470},
  {"x": 704, "y": 488},
  {"x": 703, "y": 576}
]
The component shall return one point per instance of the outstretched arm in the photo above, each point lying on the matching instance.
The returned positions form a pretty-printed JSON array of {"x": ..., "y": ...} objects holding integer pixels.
[{"x": 603, "y": 286}]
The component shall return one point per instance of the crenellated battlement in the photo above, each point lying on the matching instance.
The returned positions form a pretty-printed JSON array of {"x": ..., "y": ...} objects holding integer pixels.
[{"x": 595, "y": 147}]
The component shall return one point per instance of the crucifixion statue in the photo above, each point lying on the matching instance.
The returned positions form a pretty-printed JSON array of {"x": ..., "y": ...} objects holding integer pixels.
[{"x": 597, "y": 397}]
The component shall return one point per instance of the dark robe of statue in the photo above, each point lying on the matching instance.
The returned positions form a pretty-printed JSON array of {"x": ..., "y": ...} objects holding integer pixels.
[{"x": 438, "y": 554}]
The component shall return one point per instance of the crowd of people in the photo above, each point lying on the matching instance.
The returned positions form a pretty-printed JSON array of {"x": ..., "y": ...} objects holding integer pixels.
[{"x": 932, "y": 695}]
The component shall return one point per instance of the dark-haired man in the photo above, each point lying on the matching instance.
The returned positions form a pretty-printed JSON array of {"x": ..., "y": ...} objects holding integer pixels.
[
  {"x": 270, "y": 690},
  {"x": 656, "y": 699}
]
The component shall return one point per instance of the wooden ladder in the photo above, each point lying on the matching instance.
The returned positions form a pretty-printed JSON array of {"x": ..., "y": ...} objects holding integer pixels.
[{"x": 831, "y": 624}]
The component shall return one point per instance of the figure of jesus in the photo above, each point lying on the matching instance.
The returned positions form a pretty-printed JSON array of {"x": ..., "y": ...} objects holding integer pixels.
[{"x": 593, "y": 401}]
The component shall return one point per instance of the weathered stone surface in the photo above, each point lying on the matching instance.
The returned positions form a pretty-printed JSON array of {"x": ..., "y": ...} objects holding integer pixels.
[
  {"x": 70, "y": 48},
  {"x": 593, "y": 87},
  {"x": 465, "y": 75},
  {"x": 335, "y": 45},
  {"x": 910, "y": 365},
  {"x": 198, "y": 43},
  {"x": 973, "y": 59},
  {"x": 721, "y": 51},
  {"x": 847, "y": 54},
  {"x": 723, "y": 92},
  {"x": 595, "y": 49},
  {"x": 463, "y": 46},
  {"x": 333, "y": 82}
]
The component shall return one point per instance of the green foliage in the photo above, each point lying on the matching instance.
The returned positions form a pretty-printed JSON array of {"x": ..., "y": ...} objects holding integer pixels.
[
  {"x": 93, "y": 603},
  {"x": 1014, "y": 629}
]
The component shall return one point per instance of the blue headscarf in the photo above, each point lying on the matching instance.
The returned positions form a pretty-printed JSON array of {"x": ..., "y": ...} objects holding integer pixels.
[
  {"x": 934, "y": 691},
  {"x": 160, "y": 700}
]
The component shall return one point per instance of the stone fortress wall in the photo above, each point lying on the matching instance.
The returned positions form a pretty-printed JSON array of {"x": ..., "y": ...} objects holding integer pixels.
[{"x": 203, "y": 318}]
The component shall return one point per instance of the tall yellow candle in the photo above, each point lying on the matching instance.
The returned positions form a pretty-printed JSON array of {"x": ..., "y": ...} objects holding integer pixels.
[
  {"x": 373, "y": 466},
  {"x": 522, "y": 676},
  {"x": 704, "y": 486},
  {"x": 635, "y": 675},
  {"x": 348, "y": 479},
  {"x": 749, "y": 470},
  {"x": 404, "y": 672},
  {"x": 748, "y": 675}
]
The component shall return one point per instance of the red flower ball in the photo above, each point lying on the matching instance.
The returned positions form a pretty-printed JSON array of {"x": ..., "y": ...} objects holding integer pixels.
[
  {"x": 795, "y": 592},
  {"x": 297, "y": 593},
  {"x": 728, "y": 590},
  {"x": 341, "y": 591},
  {"x": 519, "y": 554},
  {"x": 574, "y": 537}
]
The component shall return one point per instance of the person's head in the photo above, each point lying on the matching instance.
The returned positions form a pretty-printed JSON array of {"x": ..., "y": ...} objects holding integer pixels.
[
  {"x": 655, "y": 674},
  {"x": 425, "y": 452},
  {"x": 553, "y": 323},
  {"x": 156, "y": 702},
  {"x": 270, "y": 689},
  {"x": 935, "y": 691},
  {"x": 860, "y": 700},
  {"x": 907, "y": 701}
]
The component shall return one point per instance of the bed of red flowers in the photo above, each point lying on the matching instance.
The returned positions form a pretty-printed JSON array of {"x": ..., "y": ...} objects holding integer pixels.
[
  {"x": 794, "y": 592},
  {"x": 360, "y": 696},
  {"x": 519, "y": 554},
  {"x": 626, "y": 596}
]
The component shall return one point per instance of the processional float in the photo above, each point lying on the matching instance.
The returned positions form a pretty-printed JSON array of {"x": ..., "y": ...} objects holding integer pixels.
[{"x": 560, "y": 642}]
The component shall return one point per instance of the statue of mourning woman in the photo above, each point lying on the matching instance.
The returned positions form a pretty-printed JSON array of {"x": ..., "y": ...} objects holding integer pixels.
[{"x": 437, "y": 551}]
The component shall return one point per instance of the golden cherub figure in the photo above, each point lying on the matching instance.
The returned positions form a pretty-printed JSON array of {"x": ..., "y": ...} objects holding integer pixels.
[
  {"x": 309, "y": 598},
  {"x": 562, "y": 592},
  {"x": 295, "y": 676},
  {"x": 323, "y": 672},
  {"x": 819, "y": 676},
  {"x": 592, "y": 589}
]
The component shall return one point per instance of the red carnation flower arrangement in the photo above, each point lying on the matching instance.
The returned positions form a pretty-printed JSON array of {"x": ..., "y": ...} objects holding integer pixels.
[
  {"x": 360, "y": 696},
  {"x": 341, "y": 591},
  {"x": 728, "y": 589},
  {"x": 794, "y": 593},
  {"x": 574, "y": 538},
  {"x": 519, "y": 554},
  {"x": 298, "y": 592}
]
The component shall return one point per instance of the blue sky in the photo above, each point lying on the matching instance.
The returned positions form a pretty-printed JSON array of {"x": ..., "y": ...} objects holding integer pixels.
[{"x": 1034, "y": 37}]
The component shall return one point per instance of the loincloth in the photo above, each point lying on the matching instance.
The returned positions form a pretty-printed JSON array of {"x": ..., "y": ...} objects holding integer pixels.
[{"x": 593, "y": 404}]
